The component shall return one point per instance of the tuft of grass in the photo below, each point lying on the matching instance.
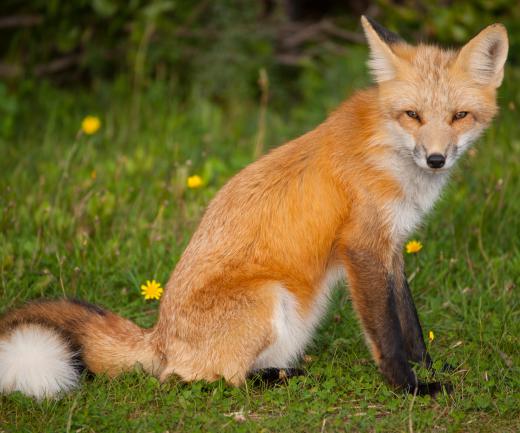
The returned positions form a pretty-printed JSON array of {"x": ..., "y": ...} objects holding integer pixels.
[{"x": 94, "y": 217}]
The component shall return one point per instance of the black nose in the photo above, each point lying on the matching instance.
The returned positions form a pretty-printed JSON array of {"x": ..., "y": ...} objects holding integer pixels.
[{"x": 436, "y": 160}]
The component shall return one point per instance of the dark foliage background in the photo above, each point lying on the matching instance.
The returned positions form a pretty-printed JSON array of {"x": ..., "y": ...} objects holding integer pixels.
[
  {"x": 207, "y": 49},
  {"x": 220, "y": 45}
]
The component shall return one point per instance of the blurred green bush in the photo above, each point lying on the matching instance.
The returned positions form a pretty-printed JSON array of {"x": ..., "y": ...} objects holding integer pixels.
[
  {"x": 221, "y": 44},
  {"x": 179, "y": 40},
  {"x": 211, "y": 50},
  {"x": 453, "y": 22}
]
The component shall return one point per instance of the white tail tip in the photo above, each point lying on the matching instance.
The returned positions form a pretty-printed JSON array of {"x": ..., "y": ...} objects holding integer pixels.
[{"x": 36, "y": 361}]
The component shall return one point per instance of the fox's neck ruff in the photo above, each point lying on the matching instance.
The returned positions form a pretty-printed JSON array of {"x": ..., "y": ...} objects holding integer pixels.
[{"x": 421, "y": 189}]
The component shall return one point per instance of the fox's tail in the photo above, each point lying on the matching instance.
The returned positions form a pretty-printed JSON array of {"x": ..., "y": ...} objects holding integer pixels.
[{"x": 45, "y": 345}]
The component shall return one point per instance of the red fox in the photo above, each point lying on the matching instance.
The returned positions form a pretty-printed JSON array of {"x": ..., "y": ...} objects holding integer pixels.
[{"x": 254, "y": 281}]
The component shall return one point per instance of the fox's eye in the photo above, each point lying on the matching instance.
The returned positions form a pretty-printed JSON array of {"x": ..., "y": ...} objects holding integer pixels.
[
  {"x": 413, "y": 115},
  {"x": 460, "y": 115}
]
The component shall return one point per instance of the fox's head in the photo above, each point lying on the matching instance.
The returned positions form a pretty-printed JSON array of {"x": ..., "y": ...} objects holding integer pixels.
[{"x": 436, "y": 102}]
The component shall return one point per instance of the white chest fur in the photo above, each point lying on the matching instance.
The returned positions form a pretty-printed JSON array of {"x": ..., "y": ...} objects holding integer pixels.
[
  {"x": 293, "y": 331},
  {"x": 421, "y": 190}
]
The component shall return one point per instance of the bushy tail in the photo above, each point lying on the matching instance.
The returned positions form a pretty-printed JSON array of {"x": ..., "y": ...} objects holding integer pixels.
[{"x": 45, "y": 345}]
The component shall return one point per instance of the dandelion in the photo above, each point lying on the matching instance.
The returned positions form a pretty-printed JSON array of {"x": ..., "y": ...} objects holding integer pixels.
[
  {"x": 90, "y": 125},
  {"x": 194, "y": 181},
  {"x": 431, "y": 336},
  {"x": 413, "y": 247},
  {"x": 151, "y": 290}
]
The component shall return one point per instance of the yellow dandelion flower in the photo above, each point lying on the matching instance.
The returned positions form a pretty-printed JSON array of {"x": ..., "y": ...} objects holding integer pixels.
[
  {"x": 413, "y": 247},
  {"x": 151, "y": 290},
  {"x": 90, "y": 125},
  {"x": 431, "y": 336},
  {"x": 194, "y": 181}
]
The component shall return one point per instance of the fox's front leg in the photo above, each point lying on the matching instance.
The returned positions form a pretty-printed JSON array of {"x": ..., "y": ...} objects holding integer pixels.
[
  {"x": 409, "y": 320},
  {"x": 375, "y": 298},
  {"x": 408, "y": 317}
]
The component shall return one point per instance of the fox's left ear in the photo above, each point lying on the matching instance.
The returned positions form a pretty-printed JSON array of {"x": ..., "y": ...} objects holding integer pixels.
[{"x": 484, "y": 56}]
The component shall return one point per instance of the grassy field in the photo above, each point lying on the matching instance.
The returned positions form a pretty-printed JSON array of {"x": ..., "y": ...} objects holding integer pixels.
[{"x": 95, "y": 216}]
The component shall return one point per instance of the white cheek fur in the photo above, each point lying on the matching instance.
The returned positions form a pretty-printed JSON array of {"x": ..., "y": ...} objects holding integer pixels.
[
  {"x": 400, "y": 137},
  {"x": 467, "y": 139}
]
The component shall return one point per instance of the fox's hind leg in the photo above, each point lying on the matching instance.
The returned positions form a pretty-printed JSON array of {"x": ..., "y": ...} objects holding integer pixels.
[
  {"x": 229, "y": 355},
  {"x": 217, "y": 335}
]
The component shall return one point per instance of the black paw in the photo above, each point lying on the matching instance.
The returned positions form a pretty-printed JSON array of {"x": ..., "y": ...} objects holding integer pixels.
[
  {"x": 275, "y": 375},
  {"x": 447, "y": 368},
  {"x": 432, "y": 388}
]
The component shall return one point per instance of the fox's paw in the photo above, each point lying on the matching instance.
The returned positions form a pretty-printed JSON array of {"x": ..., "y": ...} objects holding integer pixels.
[
  {"x": 448, "y": 368},
  {"x": 275, "y": 375},
  {"x": 431, "y": 388}
]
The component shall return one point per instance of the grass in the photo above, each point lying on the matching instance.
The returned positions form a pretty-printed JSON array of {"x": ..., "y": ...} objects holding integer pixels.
[{"x": 94, "y": 217}]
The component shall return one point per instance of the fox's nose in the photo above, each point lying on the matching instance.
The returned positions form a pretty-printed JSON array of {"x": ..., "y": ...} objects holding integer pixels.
[{"x": 436, "y": 160}]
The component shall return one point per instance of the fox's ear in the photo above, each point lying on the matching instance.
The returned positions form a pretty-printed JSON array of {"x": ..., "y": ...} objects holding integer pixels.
[
  {"x": 484, "y": 56},
  {"x": 383, "y": 61}
]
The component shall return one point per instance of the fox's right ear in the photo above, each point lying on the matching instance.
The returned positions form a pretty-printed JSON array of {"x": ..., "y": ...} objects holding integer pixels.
[
  {"x": 484, "y": 56},
  {"x": 383, "y": 61}
]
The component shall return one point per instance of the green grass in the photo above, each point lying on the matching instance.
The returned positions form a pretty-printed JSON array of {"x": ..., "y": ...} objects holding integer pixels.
[{"x": 94, "y": 217}]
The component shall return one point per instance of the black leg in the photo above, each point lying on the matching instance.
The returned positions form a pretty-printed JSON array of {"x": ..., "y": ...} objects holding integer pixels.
[
  {"x": 389, "y": 320},
  {"x": 412, "y": 331},
  {"x": 410, "y": 324}
]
